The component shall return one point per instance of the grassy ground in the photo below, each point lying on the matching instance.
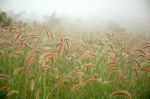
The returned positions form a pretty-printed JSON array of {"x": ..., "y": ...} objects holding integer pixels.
[{"x": 36, "y": 63}]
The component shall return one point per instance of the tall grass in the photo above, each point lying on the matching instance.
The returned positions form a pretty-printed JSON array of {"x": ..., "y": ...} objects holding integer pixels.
[{"x": 47, "y": 65}]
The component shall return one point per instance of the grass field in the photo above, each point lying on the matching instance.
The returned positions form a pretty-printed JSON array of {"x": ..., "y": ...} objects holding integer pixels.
[{"x": 41, "y": 63}]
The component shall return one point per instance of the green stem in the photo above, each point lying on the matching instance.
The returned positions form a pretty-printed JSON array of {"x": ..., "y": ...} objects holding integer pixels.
[{"x": 44, "y": 86}]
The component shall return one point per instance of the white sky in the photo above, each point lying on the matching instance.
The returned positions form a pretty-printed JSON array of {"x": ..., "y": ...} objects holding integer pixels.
[{"x": 80, "y": 8}]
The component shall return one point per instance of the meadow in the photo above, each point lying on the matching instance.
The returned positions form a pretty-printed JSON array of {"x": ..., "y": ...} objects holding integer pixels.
[{"x": 49, "y": 63}]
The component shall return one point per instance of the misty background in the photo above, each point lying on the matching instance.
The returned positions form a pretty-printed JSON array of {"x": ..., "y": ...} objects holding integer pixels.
[{"x": 127, "y": 15}]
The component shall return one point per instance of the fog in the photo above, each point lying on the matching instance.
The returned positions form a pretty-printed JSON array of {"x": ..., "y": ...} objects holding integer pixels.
[{"x": 130, "y": 14}]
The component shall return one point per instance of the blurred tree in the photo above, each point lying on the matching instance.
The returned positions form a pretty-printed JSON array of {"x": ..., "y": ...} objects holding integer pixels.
[
  {"x": 52, "y": 20},
  {"x": 115, "y": 27},
  {"x": 4, "y": 19}
]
